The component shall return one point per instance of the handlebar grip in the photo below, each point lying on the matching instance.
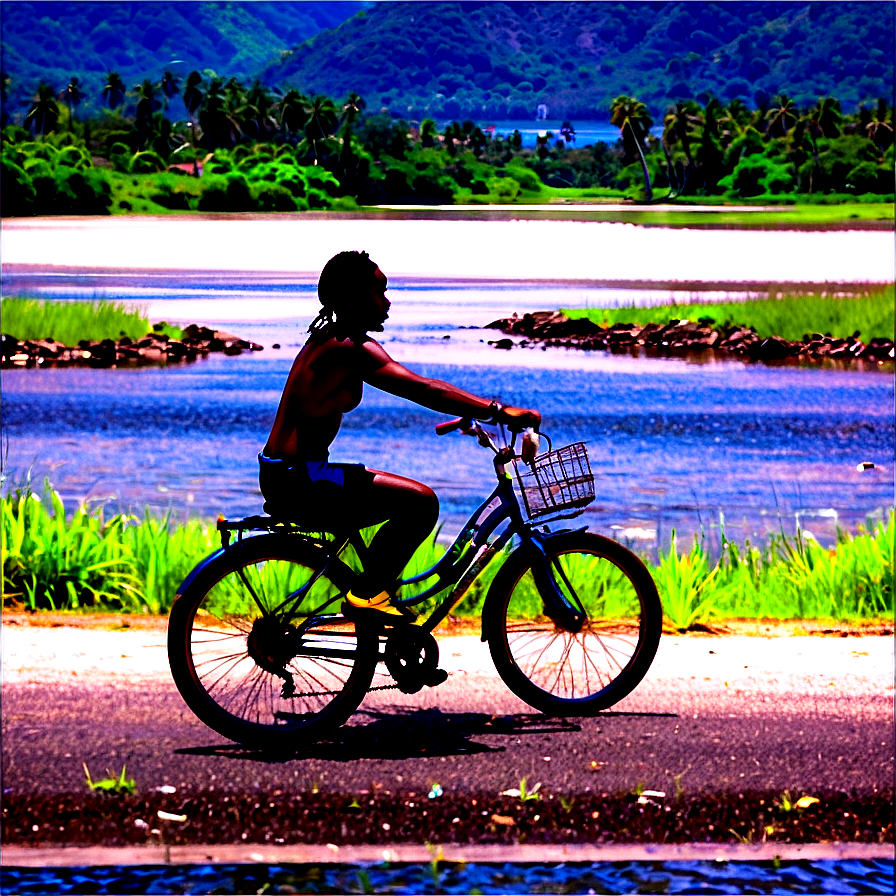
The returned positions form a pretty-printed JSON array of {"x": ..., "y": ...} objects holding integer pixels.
[{"x": 450, "y": 425}]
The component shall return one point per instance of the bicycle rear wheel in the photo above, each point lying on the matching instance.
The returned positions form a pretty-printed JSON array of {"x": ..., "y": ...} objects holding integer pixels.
[
  {"x": 563, "y": 672},
  {"x": 259, "y": 650}
]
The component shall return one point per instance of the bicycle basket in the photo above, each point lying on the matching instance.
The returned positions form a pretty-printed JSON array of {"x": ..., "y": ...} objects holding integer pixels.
[{"x": 557, "y": 480}]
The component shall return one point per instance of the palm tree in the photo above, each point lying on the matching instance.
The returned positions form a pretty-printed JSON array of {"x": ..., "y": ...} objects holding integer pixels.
[
  {"x": 257, "y": 112},
  {"x": 192, "y": 93},
  {"x": 71, "y": 95},
  {"x": 708, "y": 153},
  {"x": 219, "y": 128},
  {"x": 169, "y": 85},
  {"x": 825, "y": 117},
  {"x": 351, "y": 109},
  {"x": 319, "y": 128},
  {"x": 679, "y": 126},
  {"x": 43, "y": 115},
  {"x": 5, "y": 82},
  {"x": 782, "y": 116},
  {"x": 732, "y": 121},
  {"x": 879, "y": 129},
  {"x": 630, "y": 115},
  {"x": 192, "y": 101},
  {"x": 293, "y": 111},
  {"x": 113, "y": 92},
  {"x": 428, "y": 133},
  {"x": 147, "y": 104}
]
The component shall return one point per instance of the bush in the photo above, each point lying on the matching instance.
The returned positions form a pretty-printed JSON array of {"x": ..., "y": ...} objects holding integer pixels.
[
  {"x": 146, "y": 162},
  {"x": 214, "y": 194},
  {"x": 17, "y": 193},
  {"x": 35, "y": 167},
  {"x": 274, "y": 198},
  {"x": 239, "y": 197},
  {"x": 74, "y": 157},
  {"x": 756, "y": 174},
  {"x": 81, "y": 192},
  {"x": 175, "y": 191},
  {"x": 528, "y": 180},
  {"x": 506, "y": 188}
]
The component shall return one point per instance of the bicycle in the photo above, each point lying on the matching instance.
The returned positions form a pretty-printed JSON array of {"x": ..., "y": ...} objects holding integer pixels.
[{"x": 262, "y": 653}]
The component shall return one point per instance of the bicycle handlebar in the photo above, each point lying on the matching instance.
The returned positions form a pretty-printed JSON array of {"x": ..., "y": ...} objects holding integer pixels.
[{"x": 443, "y": 429}]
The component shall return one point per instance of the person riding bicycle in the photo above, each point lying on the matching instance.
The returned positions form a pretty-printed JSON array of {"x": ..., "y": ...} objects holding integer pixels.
[{"x": 326, "y": 381}]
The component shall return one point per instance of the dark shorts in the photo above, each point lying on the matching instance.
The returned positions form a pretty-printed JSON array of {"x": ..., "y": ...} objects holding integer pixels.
[{"x": 317, "y": 491}]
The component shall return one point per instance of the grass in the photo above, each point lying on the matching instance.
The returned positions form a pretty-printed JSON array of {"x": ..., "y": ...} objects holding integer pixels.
[
  {"x": 790, "y": 316},
  {"x": 131, "y": 565},
  {"x": 70, "y": 322}
]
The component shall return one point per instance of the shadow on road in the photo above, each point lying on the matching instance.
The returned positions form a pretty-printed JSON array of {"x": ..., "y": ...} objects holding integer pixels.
[{"x": 411, "y": 734}]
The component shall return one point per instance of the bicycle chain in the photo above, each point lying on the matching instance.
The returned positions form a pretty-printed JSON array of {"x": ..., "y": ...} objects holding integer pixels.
[{"x": 382, "y": 687}]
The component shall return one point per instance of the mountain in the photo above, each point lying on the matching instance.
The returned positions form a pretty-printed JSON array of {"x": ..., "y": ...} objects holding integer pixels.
[
  {"x": 499, "y": 60},
  {"x": 52, "y": 41},
  {"x": 464, "y": 59}
]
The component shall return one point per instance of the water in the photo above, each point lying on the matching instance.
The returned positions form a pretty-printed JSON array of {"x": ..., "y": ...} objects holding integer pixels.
[
  {"x": 833, "y": 876},
  {"x": 673, "y": 444},
  {"x": 587, "y": 132}
]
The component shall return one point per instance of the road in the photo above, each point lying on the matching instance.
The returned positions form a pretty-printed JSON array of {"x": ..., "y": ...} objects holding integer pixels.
[{"x": 715, "y": 715}]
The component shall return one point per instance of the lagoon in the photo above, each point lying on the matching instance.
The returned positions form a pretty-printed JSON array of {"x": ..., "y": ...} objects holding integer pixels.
[{"x": 675, "y": 444}]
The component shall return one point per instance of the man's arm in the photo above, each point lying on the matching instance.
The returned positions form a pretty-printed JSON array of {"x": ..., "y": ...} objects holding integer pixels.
[{"x": 387, "y": 374}]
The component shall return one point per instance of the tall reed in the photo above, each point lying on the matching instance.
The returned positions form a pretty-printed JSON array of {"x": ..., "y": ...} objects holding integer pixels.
[
  {"x": 70, "y": 322},
  {"x": 136, "y": 565},
  {"x": 788, "y": 315}
]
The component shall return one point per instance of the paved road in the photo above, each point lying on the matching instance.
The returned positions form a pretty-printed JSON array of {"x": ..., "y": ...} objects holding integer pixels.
[{"x": 719, "y": 714}]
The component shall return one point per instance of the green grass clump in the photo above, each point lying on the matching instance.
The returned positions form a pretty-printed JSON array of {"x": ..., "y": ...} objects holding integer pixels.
[
  {"x": 70, "y": 322},
  {"x": 791, "y": 578},
  {"x": 786, "y": 315},
  {"x": 126, "y": 564},
  {"x": 88, "y": 562}
]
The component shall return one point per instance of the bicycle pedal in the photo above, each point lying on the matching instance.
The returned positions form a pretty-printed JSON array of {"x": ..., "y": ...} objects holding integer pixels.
[{"x": 438, "y": 676}]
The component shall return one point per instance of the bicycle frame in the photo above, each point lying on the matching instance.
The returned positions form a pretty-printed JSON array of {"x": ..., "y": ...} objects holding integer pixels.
[{"x": 463, "y": 561}]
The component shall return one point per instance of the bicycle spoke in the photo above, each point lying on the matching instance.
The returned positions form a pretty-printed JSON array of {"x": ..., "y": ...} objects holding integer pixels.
[
  {"x": 272, "y": 669},
  {"x": 555, "y": 666}
]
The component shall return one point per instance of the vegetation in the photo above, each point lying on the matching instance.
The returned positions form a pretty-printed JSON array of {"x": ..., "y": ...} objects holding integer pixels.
[
  {"x": 50, "y": 40},
  {"x": 130, "y": 565},
  {"x": 499, "y": 60},
  {"x": 789, "y": 316},
  {"x": 247, "y": 149},
  {"x": 70, "y": 322}
]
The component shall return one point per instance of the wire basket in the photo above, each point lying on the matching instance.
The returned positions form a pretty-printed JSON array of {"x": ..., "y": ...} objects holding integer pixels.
[{"x": 556, "y": 481}]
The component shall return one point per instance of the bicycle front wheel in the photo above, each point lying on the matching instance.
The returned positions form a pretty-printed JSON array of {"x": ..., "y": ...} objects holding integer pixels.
[
  {"x": 564, "y": 672},
  {"x": 258, "y": 649}
]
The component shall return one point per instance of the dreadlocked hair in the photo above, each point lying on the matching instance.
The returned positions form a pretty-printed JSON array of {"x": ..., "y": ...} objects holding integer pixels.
[{"x": 345, "y": 277}]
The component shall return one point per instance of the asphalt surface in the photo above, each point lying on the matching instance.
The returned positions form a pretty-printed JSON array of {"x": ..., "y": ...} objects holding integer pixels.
[{"x": 716, "y": 715}]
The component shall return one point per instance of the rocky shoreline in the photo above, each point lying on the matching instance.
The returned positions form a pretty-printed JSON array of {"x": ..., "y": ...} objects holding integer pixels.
[
  {"x": 154, "y": 348},
  {"x": 680, "y": 337}
]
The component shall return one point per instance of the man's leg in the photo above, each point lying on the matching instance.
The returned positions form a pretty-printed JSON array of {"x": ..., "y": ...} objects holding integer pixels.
[{"x": 411, "y": 511}]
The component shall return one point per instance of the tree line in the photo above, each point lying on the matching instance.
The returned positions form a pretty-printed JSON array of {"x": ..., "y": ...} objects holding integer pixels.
[{"x": 256, "y": 148}]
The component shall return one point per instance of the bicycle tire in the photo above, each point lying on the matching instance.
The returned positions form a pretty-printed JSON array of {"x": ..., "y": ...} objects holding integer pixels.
[
  {"x": 561, "y": 672},
  {"x": 231, "y": 662}
]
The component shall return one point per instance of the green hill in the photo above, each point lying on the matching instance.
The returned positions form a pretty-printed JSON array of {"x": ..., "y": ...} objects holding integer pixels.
[
  {"x": 463, "y": 59},
  {"x": 52, "y": 41},
  {"x": 499, "y": 60}
]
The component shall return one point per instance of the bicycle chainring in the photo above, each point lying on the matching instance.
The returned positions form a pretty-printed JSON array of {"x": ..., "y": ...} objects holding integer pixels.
[{"x": 412, "y": 658}]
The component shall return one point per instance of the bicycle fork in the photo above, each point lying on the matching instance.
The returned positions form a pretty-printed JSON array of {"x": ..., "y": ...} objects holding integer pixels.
[{"x": 564, "y": 609}]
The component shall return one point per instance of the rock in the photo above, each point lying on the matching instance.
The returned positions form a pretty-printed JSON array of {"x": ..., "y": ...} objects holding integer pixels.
[{"x": 772, "y": 349}]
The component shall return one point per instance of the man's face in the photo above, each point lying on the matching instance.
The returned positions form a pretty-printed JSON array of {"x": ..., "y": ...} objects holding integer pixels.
[{"x": 378, "y": 309}]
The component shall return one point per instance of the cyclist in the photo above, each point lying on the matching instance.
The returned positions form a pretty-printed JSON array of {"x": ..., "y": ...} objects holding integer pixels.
[{"x": 326, "y": 381}]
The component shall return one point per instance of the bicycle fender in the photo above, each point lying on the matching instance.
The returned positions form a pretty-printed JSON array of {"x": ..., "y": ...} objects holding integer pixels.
[{"x": 198, "y": 570}]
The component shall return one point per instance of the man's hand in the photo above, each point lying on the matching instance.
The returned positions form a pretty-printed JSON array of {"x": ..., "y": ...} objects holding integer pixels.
[{"x": 519, "y": 418}]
